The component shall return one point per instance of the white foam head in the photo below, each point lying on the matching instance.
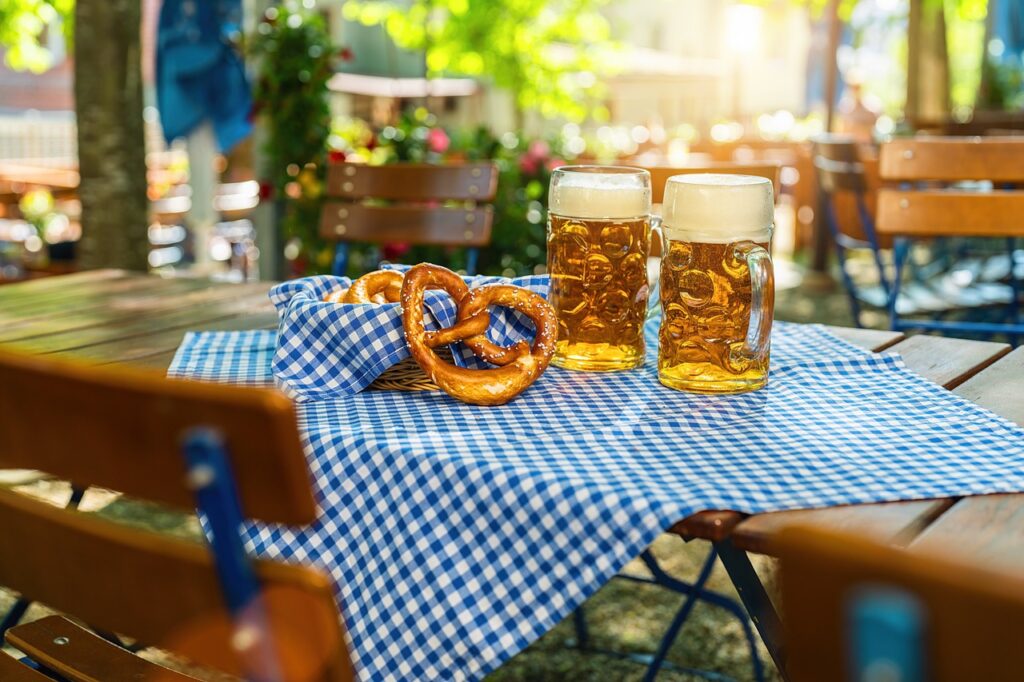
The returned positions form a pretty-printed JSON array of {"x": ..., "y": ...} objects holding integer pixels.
[
  {"x": 600, "y": 192},
  {"x": 718, "y": 208}
]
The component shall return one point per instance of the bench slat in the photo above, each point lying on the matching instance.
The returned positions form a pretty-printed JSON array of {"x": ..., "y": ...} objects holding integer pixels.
[{"x": 84, "y": 657}]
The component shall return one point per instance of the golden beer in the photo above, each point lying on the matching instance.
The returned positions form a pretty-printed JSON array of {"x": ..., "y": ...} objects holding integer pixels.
[
  {"x": 598, "y": 240},
  {"x": 717, "y": 286}
]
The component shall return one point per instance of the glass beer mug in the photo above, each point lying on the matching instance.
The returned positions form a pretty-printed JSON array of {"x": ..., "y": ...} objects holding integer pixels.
[
  {"x": 599, "y": 227},
  {"x": 717, "y": 283}
]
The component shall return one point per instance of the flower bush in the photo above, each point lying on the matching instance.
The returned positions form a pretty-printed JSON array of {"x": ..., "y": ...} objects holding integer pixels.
[
  {"x": 524, "y": 166},
  {"x": 296, "y": 56}
]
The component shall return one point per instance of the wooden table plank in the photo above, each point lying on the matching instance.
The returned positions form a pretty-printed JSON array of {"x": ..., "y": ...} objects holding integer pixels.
[
  {"x": 146, "y": 323},
  {"x": 871, "y": 339},
  {"x": 999, "y": 388},
  {"x": 165, "y": 343},
  {"x": 894, "y": 522},
  {"x": 29, "y": 301},
  {"x": 717, "y": 525},
  {"x": 123, "y": 307},
  {"x": 98, "y": 309},
  {"x": 945, "y": 361},
  {"x": 989, "y": 528},
  {"x": 948, "y": 362},
  {"x": 10, "y": 291}
]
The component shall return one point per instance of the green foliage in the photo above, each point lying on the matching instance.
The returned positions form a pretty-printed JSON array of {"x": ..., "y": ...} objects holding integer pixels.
[
  {"x": 296, "y": 59},
  {"x": 1004, "y": 86},
  {"x": 965, "y": 38},
  {"x": 518, "y": 235},
  {"x": 22, "y": 25},
  {"x": 547, "y": 52}
]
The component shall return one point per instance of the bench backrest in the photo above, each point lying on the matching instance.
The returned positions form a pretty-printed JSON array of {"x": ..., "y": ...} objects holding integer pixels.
[
  {"x": 414, "y": 212},
  {"x": 931, "y": 208},
  {"x": 850, "y": 603},
  {"x": 124, "y": 429}
]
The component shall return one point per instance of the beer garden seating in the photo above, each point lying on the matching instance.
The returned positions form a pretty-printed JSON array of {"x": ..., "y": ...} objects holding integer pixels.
[
  {"x": 409, "y": 203},
  {"x": 954, "y": 187},
  {"x": 231, "y": 452}
]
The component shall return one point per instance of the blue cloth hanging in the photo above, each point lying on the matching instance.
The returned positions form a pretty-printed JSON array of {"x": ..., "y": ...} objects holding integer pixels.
[
  {"x": 199, "y": 74},
  {"x": 1008, "y": 26}
]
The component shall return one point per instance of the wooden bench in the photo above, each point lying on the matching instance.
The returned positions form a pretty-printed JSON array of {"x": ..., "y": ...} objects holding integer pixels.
[
  {"x": 130, "y": 430},
  {"x": 411, "y": 203}
]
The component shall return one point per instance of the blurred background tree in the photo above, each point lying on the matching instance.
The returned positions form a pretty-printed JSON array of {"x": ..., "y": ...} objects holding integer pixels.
[
  {"x": 108, "y": 104},
  {"x": 22, "y": 25},
  {"x": 549, "y": 53},
  {"x": 111, "y": 139}
]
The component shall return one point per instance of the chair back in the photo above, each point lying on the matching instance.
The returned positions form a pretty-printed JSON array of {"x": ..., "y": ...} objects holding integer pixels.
[
  {"x": 853, "y": 606},
  {"x": 849, "y": 181},
  {"x": 124, "y": 430},
  {"x": 405, "y": 202},
  {"x": 934, "y": 205}
]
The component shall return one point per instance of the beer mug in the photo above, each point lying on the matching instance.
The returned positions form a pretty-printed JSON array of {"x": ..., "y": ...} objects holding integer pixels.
[
  {"x": 599, "y": 227},
  {"x": 717, "y": 283}
]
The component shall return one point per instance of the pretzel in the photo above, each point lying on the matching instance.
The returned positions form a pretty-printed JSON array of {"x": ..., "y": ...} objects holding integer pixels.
[
  {"x": 379, "y": 286},
  {"x": 336, "y": 296},
  {"x": 522, "y": 363}
]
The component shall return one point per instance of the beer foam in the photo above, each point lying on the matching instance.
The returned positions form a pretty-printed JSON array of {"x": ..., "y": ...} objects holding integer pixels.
[
  {"x": 596, "y": 192},
  {"x": 718, "y": 208}
]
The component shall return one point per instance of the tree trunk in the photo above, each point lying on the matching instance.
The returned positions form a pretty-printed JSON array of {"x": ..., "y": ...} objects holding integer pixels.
[
  {"x": 927, "y": 64},
  {"x": 111, "y": 142}
]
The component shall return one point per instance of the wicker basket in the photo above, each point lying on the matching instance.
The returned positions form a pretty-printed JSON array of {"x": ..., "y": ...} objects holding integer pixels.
[{"x": 408, "y": 376}]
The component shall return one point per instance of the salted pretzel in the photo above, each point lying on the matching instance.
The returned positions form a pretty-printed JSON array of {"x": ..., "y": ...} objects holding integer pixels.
[
  {"x": 520, "y": 365},
  {"x": 336, "y": 296},
  {"x": 379, "y": 286}
]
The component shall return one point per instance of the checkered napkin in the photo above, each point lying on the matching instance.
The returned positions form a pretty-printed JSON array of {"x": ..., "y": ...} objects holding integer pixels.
[
  {"x": 458, "y": 534},
  {"x": 330, "y": 349}
]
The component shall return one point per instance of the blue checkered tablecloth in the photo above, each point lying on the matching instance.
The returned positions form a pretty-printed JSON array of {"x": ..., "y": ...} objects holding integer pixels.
[
  {"x": 458, "y": 534},
  {"x": 327, "y": 350}
]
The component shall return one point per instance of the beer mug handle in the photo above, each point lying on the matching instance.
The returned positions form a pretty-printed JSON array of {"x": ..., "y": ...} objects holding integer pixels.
[
  {"x": 654, "y": 293},
  {"x": 762, "y": 297}
]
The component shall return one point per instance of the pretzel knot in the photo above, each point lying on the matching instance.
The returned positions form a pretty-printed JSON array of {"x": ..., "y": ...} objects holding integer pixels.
[
  {"x": 379, "y": 286},
  {"x": 518, "y": 365}
]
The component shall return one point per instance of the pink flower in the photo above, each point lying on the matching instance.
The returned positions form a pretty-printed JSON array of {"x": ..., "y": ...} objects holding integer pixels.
[
  {"x": 538, "y": 149},
  {"x": 555, "y": 163},
  {"x": 438, "y": 140},
  {"x": 528, "y": 164},
  {"x": 395, "y": 251}
]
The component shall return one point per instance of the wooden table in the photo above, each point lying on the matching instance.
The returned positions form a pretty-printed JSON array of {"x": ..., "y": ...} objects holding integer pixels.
[{"x": 111, "y": 317}]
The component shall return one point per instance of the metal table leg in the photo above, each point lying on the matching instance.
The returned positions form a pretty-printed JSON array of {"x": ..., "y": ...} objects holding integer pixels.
[{"x": 755, "y": 599}]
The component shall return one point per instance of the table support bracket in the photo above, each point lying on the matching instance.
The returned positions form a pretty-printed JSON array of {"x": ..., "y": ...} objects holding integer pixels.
[{"x": 755, "y": 599}]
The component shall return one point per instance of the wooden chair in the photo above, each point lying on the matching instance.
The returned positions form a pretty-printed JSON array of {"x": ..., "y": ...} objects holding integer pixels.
[
  {"x": 418, "y": 210},
  {"x": 926, "y": 198},
  {"x": 857, "y": 610},
  {"x": 849, "y": 186},
  {"x": 232, "y": 452}
]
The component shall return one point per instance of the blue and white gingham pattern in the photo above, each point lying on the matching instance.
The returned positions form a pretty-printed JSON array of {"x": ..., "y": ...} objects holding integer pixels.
[
  {"x": 457, "y": 534},
  {"x": 328, "y": 349}
]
